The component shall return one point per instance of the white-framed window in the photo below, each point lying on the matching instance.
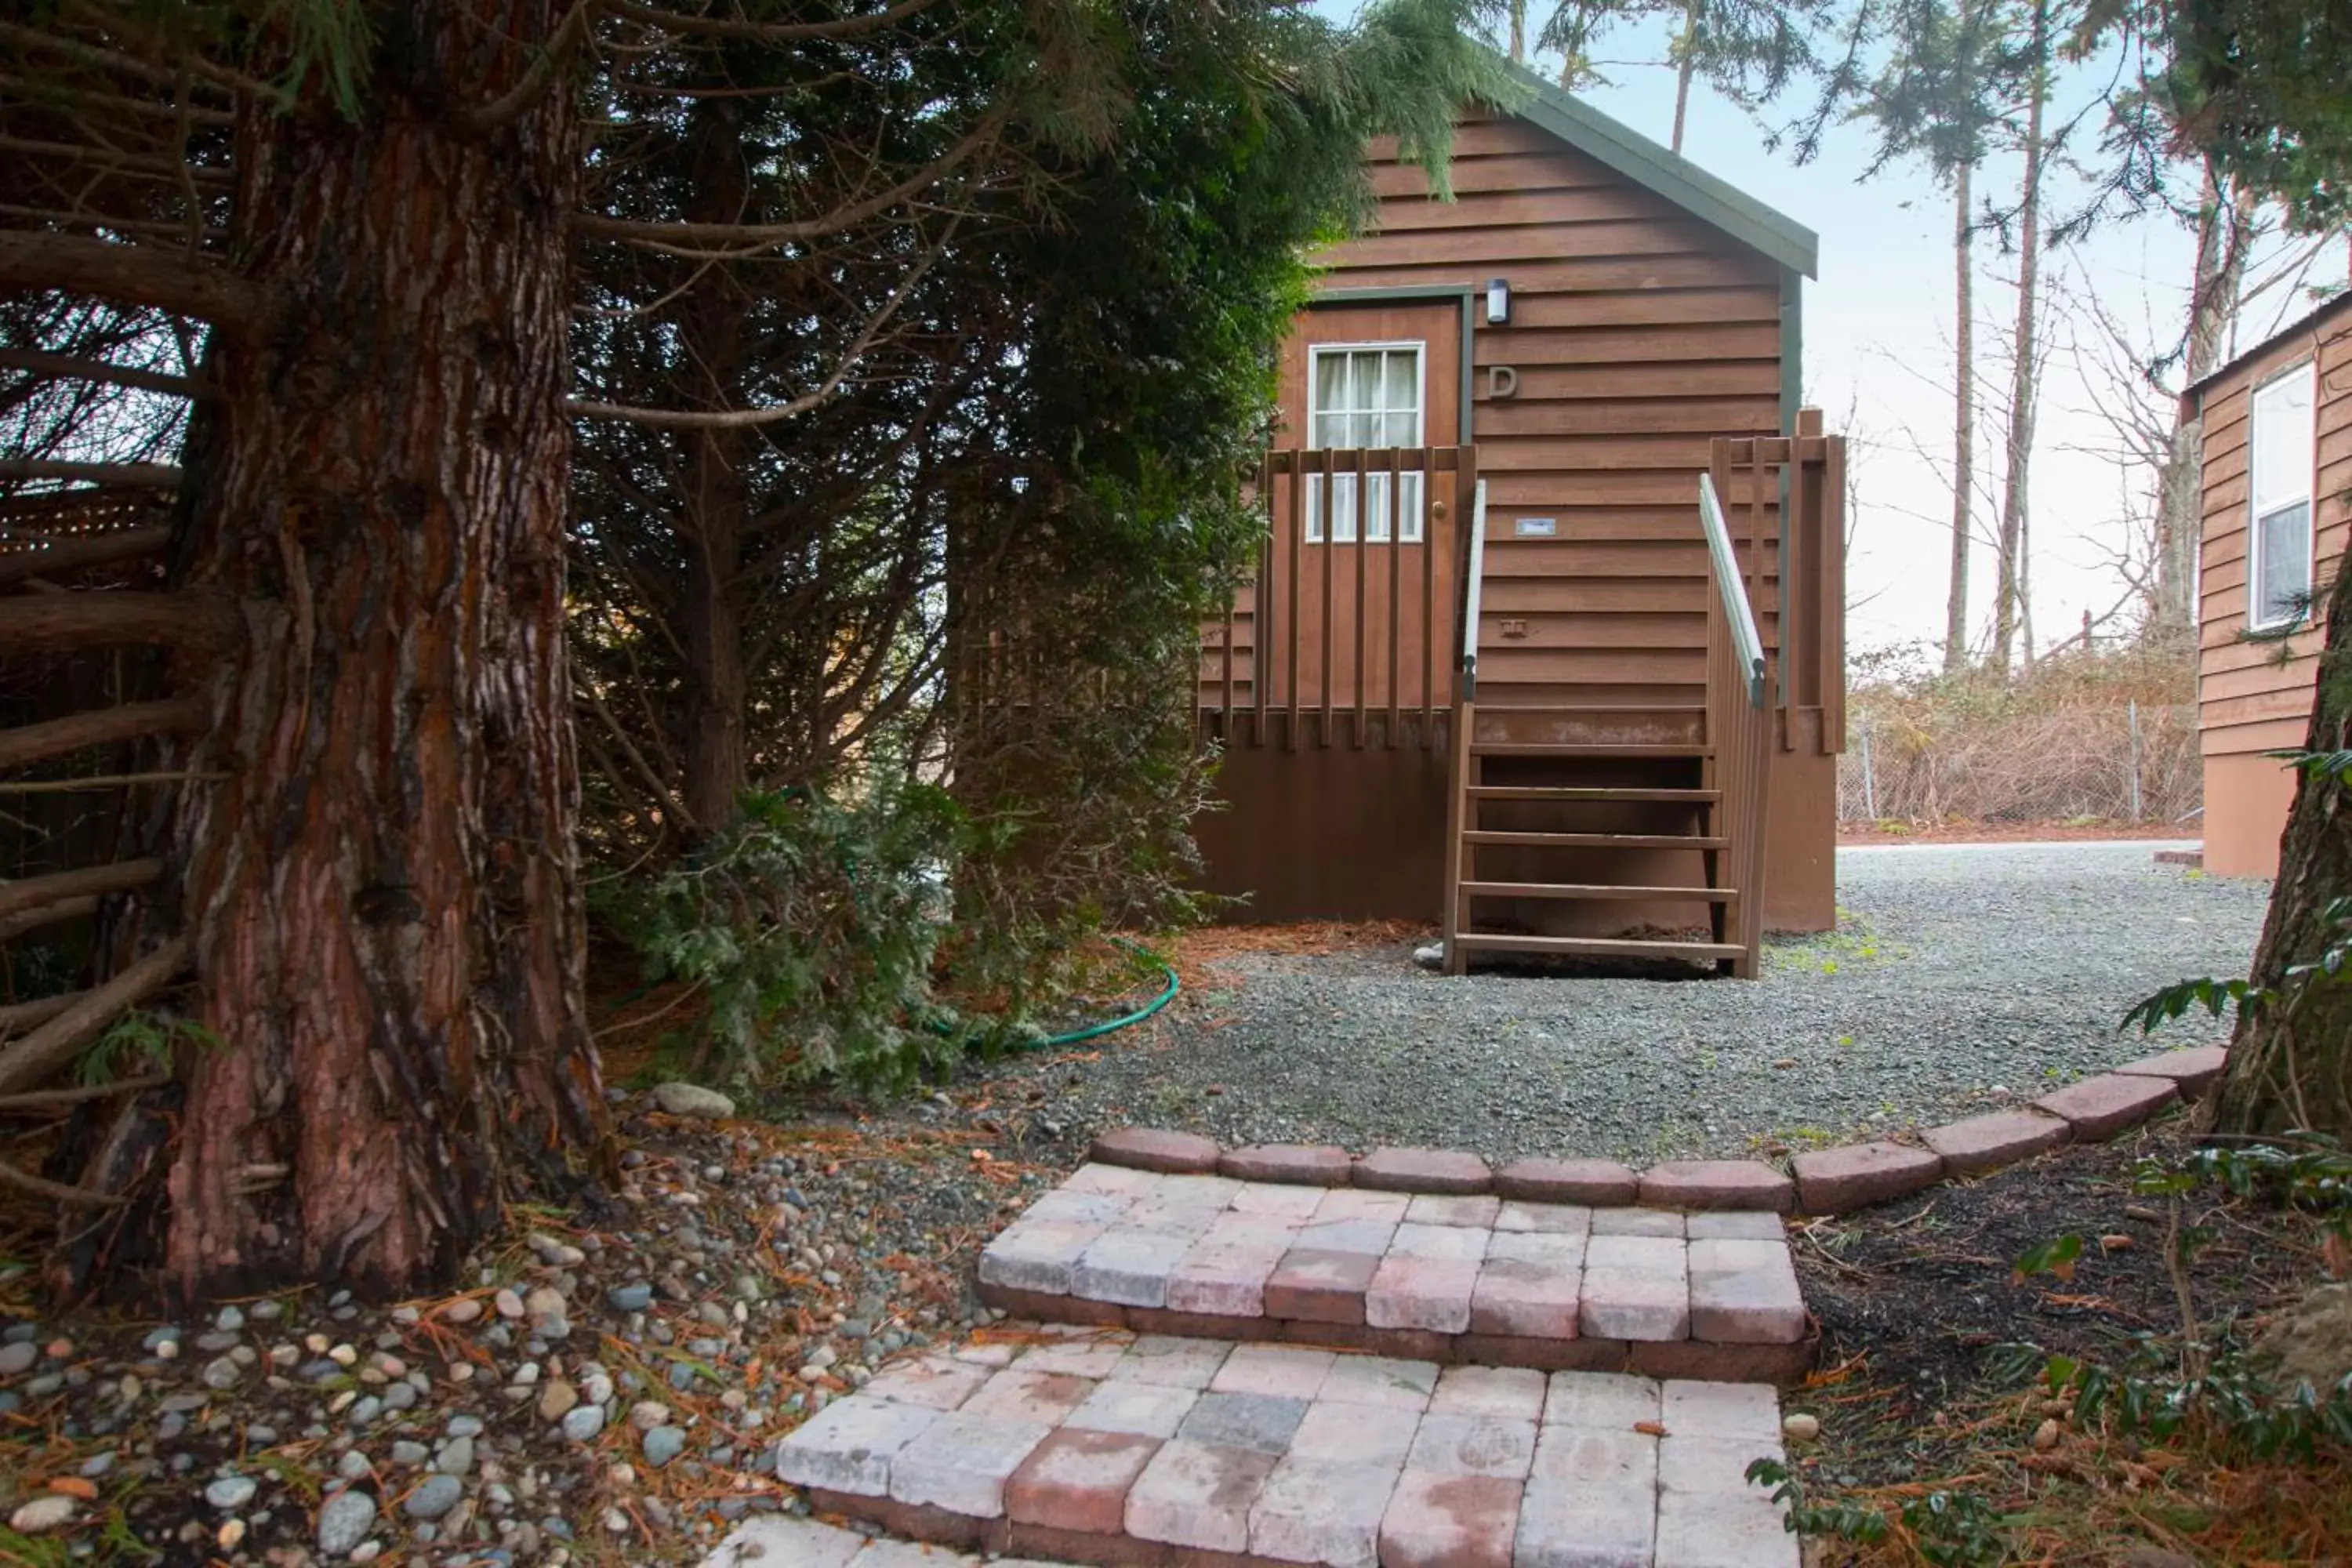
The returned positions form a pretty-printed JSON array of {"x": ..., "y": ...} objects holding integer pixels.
[
  {"x": 1366, "y": 395},
  {"x": 2279, "y": 466}
]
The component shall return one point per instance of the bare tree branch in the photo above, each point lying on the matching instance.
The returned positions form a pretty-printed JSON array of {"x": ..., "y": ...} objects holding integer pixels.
[
  {"x": 771, "y": 32},
  {"x": 87, "y": 620},
  {"x": 71, "y": 554},
  {"x": 25, "y": 1062},
  {"x": 98, "y": 369},
  {"x": 742, "y": 240},
  {"x": 538, "y": 79},
  {"x": 133, "y": 275},
  {"x": 156, "y": 476}
]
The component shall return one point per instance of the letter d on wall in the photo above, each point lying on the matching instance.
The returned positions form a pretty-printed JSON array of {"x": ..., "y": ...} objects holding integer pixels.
[{"x": 1502, "y": 381}]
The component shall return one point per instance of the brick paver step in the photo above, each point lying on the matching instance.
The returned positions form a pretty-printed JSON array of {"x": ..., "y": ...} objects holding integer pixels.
[
  {"x": 1100, "y": 1446},
  {"x": 1462, "y": 1276}
]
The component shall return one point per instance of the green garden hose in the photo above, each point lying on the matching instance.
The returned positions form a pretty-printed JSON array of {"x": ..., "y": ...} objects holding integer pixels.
[{"x": 1096, "y": 1031}]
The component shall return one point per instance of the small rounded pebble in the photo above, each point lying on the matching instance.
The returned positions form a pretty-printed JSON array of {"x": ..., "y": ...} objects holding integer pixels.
[
  {"x": 344, "y": 1521},
  {"x": 664, "y": 1444},
  {"x": 434, "y": 1496},
  {"x": 43, "y": 1514},
  {"x": 231, "y": 1492}
]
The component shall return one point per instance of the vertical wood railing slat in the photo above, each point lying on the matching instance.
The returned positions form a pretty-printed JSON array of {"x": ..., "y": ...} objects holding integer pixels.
[
  {"x": 1831, "y": 491},
  {"x": 1363, "y": 601},
  {"x": 1799, "y": 628},
  {"x": 1752, "y": 559},
  {"x": 1396, "y": 587},
  {"x": 1330, "y": 549},
  {"x": 1297, "y": 526},
  {"x": 1232, "y": 602},
  {"x": 1261, "y": 617},
  {"x": 1457, "y": 804},
  {"x": 1429, "y": 531}
]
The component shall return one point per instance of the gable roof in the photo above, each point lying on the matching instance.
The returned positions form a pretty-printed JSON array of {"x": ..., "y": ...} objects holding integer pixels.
[
  {"x": 1554, "y": 110},
  {"x": 2308, "y": 323}
]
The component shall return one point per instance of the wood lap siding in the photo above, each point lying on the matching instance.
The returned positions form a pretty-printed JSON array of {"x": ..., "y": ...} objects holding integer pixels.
[
  {"x": 2247, "y": 700},
  {"x": 1639, "y": 334}
]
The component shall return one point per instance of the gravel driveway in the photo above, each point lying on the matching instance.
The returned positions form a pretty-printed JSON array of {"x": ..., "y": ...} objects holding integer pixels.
[{"x": 1959, "y": 975}]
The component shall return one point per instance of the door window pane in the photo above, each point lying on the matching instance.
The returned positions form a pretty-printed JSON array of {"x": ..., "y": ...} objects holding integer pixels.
[
  {"x": 1366, "y": 396},
  {"x": 1330, "y": 382}
]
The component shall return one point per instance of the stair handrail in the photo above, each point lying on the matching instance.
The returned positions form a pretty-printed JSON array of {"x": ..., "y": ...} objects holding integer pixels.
[
  {"x": 1747, "y": 641},
  {"x": 1476, "y": 573}
]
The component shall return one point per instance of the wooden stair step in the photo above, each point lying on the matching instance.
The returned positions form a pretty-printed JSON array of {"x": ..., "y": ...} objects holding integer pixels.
[
  {"x": 1595, "y": 890},
  {"x": 1593, "y": 840},
  {"x": 1484, "y": 708},
  {"x": 1597, "y": 750},
  {"x": 1603, "y": 792},
  {"x": 1041, "y": 1265},
  {"x": 1594, "y": 946}
]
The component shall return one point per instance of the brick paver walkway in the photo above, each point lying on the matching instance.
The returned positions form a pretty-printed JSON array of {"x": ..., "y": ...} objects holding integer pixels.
[
  {"x": 1077, "y": 1442},
  {"x": 1474, "y": 1279}
]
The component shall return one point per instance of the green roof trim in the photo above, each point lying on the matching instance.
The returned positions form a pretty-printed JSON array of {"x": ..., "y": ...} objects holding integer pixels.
[{"x": 1553, "y": 109}]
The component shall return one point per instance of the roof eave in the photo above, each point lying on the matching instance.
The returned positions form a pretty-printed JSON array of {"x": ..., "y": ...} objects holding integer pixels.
[{"x": 2192, "y": 397}]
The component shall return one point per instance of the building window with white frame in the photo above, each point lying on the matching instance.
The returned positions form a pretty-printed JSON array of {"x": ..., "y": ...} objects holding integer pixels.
[
  {"x": 1368, "y": 396},
  {"x": 2279, "y": 460}
]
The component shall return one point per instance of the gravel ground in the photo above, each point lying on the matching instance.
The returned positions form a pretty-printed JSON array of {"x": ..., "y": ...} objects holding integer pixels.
[
  {"x": 1959, "y": 976},
  {"x": 607, "y": 1392},
  {"x": 609, "y": 1387}
]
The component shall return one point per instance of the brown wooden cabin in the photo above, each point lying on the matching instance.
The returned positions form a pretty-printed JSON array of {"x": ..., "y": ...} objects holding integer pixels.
[
  {"x": 2275, "y": 483},
  {"x": 1590, "y": 327}
]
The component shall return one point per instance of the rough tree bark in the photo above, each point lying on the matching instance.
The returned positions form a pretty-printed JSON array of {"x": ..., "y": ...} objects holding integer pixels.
[
  {"x": 381, "y": 894},
  {"x": 715, "y": 338},
  {"x": 2291, "y": 1067},
  {"x": 2009, "y": 590},
  {"x": 1964, "y": 421}
]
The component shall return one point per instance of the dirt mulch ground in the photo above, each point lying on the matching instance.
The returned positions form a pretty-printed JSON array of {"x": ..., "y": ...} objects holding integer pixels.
[
  {"x": 1912, "y": 1298},
  {"x": 1964, "y": 832}
]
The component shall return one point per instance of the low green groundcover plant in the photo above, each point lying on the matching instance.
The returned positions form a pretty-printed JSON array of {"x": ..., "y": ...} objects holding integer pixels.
[{"x": 811, "y": 926}]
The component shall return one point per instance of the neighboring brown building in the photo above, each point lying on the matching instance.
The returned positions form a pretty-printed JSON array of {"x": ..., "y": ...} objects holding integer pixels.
[
  {"x": 2276, "y": 429},
  {"x": 1589, "y": 325}
]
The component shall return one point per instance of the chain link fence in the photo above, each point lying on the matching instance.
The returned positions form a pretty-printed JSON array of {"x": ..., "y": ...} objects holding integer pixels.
[{"x": 2125, "y": 762}]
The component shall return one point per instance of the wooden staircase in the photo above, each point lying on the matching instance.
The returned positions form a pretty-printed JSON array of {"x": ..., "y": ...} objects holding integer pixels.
[{"x": 1605, "y": 807}]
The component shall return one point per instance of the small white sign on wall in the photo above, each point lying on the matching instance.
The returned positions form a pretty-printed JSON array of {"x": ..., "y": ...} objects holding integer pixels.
[{"x": 1536, "y": 527}]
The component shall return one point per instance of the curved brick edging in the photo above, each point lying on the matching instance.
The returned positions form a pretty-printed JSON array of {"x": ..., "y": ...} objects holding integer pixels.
[{"x": 1819, "y": 1182}]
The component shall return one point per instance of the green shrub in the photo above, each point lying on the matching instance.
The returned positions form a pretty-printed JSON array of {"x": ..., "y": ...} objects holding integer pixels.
[{"x": 810, "y": 925}]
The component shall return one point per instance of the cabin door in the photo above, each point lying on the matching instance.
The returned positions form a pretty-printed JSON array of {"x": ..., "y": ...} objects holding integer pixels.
[{"x": 1368, "y": 378}]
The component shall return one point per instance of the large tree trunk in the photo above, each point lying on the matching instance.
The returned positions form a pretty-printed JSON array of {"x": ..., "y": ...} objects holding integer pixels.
[
  {"x": 2290, "y": 1066},
  {"x": 1964, "y": 423},
  {"x": 1685, "y": 66},
  {"x": 380, "y": 890},
  {"x": 716, "y": 340},
  {"x": 2008, "y": 595},
  {"x": 2222, "y": 231}
]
